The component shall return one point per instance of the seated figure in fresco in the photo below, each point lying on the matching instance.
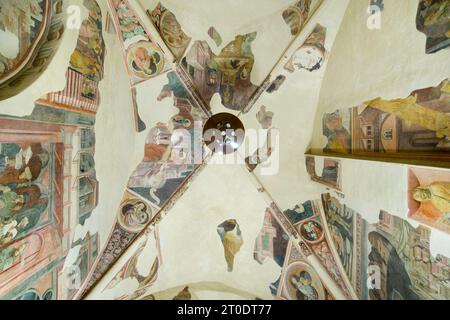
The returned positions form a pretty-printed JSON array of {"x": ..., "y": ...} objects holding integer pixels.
[
  {"x": 305, "y": 290},
  {"x": 438, "y": 193}
]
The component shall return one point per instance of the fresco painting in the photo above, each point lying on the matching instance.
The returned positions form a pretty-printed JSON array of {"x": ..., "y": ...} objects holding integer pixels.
[
  {"x": 48, "y": 178},
  {"x": 302, "y": 283},
  {"x": 31, "y": 33},
  {"x": 331, "y": 175},
  {"x": 215, "y": 35},
  {"x": 263, "y": 152},
  {"x": 429, "y": 197},
  {"x": 143, "y": 57},
  {"x": 170, "y": 30},
  {"x": 307, "y": 221},
  {"x": 417, "y": 124},
  {"x": 341, "y": 224},
  {"x": 169, "y": 154},
  {"x": 131, "y": 271},
  {"x": 231, "y": 236},
  {"x": 311, "y": 54},
  {"x": 276, "y": 84},
  {"x": 297, "y": 15},
  {"x": 227, "y": 73},
  {"x": 433, "y": 19},
  {"x": 85, "y": 71},
  {"x": 321, "y": 249},
  {"x": 166, "y": 168},
  {"x": 401, "y": 253},
  {"x": 272, "y": 241},
  {"x": 36, "y": 200},
  {"x": 299, "y": 280}
]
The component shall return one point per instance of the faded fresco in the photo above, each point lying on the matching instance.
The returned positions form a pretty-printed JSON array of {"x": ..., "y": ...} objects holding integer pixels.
[
  {"x": 48, "y": 178},
  {"x": 228, "y": 73},
  {"x": 170, "y": 30},
  {"x": 31, "y": 32},
  {"x": 57, "y": 240},
  {"x": 416, "y": 124},
  {"x": 143, "y": 57},
  {"x": 395, "y": 249},
  {"x": 433, "y": 19},
  {"x": 429, "y": 197},
  {"x": 331, "y": 174},
  {"x": 231, "y": 236},
  {"x": 311, "y": 54}
]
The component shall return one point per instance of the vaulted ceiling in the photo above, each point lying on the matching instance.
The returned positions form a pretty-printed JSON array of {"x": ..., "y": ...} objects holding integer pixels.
[{"x": 108, "y": 190}]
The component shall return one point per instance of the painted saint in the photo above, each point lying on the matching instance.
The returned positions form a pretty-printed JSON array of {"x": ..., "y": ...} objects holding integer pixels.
[
  {"x": 135, "y": 215},
  {"x": 231, "y": 237},
  {"x": 438, "y": 193},
  {"x": 305, "y": 291},
  {"x": 301, "y": 282},
  {"x": 145, "y": 59},
  {"x": 429, "y": 197},
  {"x": 311, "y": 231}
]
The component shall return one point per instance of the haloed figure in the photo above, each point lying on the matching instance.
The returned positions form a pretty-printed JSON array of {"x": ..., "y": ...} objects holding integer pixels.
[
  {"x": 305, "y": 290},
  {"x": 145, "y": 62}
]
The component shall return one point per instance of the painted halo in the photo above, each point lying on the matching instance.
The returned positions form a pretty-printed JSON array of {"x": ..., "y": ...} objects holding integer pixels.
[
  {"x": 134, "y": 215},
  {"x": 145, "y": 59},
  {"x": 301, "y": 282},
  {"x": 311, "y": 231}
]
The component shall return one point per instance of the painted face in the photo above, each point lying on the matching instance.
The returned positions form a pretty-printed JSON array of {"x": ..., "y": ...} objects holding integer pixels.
[
  {"x": 307, "y": 58},
  {"x": 142, "y": 59},
  {"x": 421, "y": 195},
  {"x": 141, "y": 217}
]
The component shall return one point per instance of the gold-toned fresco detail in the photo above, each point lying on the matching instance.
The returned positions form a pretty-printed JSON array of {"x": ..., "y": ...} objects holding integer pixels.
[
  {"x": 429, "y": 197},
  {"x": 231, "y": 236}
]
